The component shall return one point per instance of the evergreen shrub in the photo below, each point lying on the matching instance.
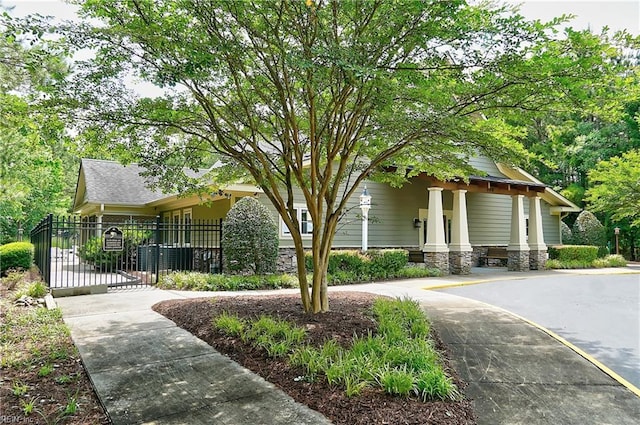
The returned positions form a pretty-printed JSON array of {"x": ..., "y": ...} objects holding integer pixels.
[
  {"x": 580, "y": 253},
  {"x": 250, "y": 238},
  {"x": 587, "y": 230},
  {"x": 16, "y": 255}
]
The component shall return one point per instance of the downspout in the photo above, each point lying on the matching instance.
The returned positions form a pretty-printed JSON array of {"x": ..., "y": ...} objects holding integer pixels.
[{"x": 562, "y": 215}]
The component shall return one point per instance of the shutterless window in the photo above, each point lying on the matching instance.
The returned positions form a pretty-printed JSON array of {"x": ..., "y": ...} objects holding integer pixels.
[{"x": 304, "y": 218}]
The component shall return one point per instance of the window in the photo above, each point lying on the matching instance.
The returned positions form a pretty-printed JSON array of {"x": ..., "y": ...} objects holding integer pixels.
[
  {"x": 186, "y": 217},
  {"x": 304, "y": 218},
  {"x": 176, "y": 228}
]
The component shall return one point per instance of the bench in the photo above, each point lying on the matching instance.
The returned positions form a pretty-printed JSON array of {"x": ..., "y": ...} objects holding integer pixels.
[
  {"x": 416, "y": 256},
  {"x": 494, "y": 253}
]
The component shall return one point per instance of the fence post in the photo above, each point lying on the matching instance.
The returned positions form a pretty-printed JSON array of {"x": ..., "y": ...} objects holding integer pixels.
[
  {"x": 220, "y": 245},
  {"x": 156, "y": 268},
  {"x": 47, "y": 247}
]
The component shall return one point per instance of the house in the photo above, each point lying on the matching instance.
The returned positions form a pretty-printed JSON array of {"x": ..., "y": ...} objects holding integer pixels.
[{"x": 451, "y": 223}]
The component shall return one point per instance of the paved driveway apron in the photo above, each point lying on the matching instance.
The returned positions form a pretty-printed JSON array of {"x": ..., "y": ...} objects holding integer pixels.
[{"x": 598, "y": 313}]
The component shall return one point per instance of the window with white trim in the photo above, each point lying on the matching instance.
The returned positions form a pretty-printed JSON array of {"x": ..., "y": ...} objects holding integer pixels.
[
  {"x": 304, "y": 219},
  {"x": 186, "y": 218}
]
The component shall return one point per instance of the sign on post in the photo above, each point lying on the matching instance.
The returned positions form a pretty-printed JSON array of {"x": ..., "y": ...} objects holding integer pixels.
[{"x": 112, "y": 240}]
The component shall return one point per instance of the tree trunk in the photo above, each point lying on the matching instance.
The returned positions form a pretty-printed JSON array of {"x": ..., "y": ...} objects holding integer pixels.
[{"x": 302, "y": 278}]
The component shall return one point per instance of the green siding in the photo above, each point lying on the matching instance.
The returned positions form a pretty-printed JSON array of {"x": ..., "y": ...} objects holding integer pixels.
[
  {"x": 485, "y": 164},
  {"x": 489, "y": 218}
]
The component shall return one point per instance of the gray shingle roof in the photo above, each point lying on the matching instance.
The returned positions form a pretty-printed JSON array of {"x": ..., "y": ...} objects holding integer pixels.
[{"x": 109, "y": 182}]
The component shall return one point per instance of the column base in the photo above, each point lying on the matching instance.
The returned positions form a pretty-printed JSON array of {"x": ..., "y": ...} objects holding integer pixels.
[
  {"x": 518, "y": 261},
  {"x": 537, "y": 259},
  {"x": 437, "y": 260},
  {"x": 460, "y": 262}
]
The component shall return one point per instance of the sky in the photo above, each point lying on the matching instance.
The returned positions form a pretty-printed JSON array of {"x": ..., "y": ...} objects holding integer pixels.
[{"x": 594, "y": 14}]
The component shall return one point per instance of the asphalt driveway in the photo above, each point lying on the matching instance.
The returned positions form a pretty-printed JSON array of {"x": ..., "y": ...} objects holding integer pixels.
[{"x": 598, "y": 313}]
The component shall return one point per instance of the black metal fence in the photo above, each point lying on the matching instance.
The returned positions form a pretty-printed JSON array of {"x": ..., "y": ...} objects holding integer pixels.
[{"x": 73, "y": 251}]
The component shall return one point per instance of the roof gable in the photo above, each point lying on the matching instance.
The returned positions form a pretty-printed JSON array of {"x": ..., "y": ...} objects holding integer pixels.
[{"x": 109, "y": 182}]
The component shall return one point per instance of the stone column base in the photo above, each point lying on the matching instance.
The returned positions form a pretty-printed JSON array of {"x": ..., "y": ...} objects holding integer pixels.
[
  {"x": 460, "y": 262},
  {"x": 437, "y": 260},
  {"x": 518, "y": 261},
  {"x": 537, "y": 259}
]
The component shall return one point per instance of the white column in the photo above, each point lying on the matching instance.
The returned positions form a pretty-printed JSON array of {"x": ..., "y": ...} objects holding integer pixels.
[
  {"x": 536, "y": 236},
  {"x": 459, "y": 225},
  {"x": 518, "y": 239},
  {"x": 435, "y": 225}
]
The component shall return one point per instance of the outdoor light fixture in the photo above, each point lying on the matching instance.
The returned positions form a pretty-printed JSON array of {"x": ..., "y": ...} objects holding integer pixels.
[
  {"x": 416, "y": 223},
  {"x": 617, "y": 232},
  {"x": 365, "y": 206}
]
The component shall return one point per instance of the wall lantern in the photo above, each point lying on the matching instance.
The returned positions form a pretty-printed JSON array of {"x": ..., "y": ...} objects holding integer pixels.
[{"x": 416, "y": 223}]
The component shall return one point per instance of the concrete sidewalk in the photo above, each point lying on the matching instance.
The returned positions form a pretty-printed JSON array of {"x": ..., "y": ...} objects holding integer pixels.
[{"x": 146, "y": 370}]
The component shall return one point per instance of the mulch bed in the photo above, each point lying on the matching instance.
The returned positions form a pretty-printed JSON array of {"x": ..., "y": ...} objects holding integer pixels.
[{"x": 349, "y": 316}]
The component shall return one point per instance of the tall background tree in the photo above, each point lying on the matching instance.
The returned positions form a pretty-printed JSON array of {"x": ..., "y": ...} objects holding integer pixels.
[
  {"x": 34, "y": 148},
  {"x": 318, "y": 96},
  {"x": 615, "y": 190}
]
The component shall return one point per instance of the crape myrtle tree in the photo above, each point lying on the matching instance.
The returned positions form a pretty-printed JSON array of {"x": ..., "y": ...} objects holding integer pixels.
[{"x": 317, "y": 96}]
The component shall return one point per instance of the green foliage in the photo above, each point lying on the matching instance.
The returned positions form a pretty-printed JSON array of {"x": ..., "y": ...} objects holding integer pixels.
[
  {"x": 608, "y": 261},
  {"x": 92, "y": 253},
  {"x": 250, "y": 238},
  {"x": 587, "y": 230},
  {"x": 19, "y": 388},
  {"x": 36, "y": 289},
  {"x": 400, "y": 359},
  {"x": 582, "y": 253},
  {"x": 415, "y": 272},
  {"x": 229, "y": 324},
  {"x": 574, "y": 192},
  {"x": 16, "y": 255},
  {"x": 615, "y": 187},
  {"x": 348, "y": 267},
  {"x": 194, "y": 281},
  {"x": 567, "y": 235},
  {"x": 387, "y": 263}
]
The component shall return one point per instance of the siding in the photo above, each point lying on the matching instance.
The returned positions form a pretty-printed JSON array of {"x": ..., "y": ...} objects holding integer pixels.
[
  {"x": 489, "y": 218},
  {"x": 485, "y": 164},
  {"x": 391, "y": 216}
]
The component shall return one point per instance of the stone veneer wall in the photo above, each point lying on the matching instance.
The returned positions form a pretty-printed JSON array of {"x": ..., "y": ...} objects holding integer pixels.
[
  {"x": 460, "y": 262},
  {"x": 518, "y": 261},
  {"x": 537, "y": 260},
  {"x": 437, "y": 260},
  {"x": 286, "y": 262}
]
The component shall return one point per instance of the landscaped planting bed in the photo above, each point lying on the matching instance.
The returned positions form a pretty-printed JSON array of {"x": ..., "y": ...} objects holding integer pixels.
[{"x": 332, "y": 362}]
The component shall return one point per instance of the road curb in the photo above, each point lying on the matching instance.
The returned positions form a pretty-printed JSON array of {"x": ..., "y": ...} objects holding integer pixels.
[{"x": 576, "y": 349}]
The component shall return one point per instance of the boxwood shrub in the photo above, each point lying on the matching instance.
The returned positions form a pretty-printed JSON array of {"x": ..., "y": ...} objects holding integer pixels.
[
  {"x": 578, "y": 253},
  {"x": 350, "y": 266},
  {"x": 16, "y": 255}
]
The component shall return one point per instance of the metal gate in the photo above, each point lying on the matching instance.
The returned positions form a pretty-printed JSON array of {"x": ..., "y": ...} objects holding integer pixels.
[{"x": 74, "y": 252}]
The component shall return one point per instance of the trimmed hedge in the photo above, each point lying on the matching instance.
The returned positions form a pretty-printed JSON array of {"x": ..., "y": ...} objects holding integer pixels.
[
  {"x": 577, "y": 253},
  {"x": 16, "y": 255},
  {"x": 193, "y": 281},
  {"x": 608, "y": 261},
  {"x": 349, "y": 266}
]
